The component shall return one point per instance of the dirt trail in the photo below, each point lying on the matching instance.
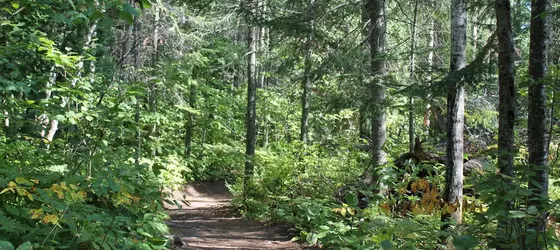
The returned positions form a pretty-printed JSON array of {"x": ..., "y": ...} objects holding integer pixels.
[{"x": 208, "y": 223}]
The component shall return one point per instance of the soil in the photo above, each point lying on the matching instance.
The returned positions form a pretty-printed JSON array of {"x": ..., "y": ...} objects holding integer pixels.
[{"x": 210, "y": 223}]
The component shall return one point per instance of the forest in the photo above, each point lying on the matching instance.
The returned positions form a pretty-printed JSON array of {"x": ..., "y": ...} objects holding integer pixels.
[{"x": 355, "y": 124}]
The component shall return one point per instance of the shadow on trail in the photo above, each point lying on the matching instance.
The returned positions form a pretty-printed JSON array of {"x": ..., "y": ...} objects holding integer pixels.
[{"x": 208, "y": 223}]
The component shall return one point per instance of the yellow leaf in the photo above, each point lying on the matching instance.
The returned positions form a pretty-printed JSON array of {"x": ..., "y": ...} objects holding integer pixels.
[
  {"x": 6, "y": 190},
  {"x": 385, "y": 208},
  {"x": 30, "y": 196},
  {"x": 51, "y": 218},
  {"x": 22, "y": 191},
  {"x": 58, "y": 189},
  {"x": 414, "y": 187},
  {"x": 35, "y": 181},
  {"x": 351, "y": 211},
  {"x": 343, "y": 212},
  {"x": 21, "y": 180},
  {"x": 12, "y": 184},
  {"x": 416, "y": 210},
  {"x": 449, "y": 208},
  {"x": 82, "y": 194},
  {"x": 36, "y": 213}
]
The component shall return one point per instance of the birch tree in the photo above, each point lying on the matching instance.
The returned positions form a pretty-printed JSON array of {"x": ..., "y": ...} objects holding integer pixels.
[{"x": 453, "y": 193}]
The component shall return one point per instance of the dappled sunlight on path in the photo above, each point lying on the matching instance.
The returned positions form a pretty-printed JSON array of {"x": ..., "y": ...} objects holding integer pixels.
[{"x": 208, "y": 222}]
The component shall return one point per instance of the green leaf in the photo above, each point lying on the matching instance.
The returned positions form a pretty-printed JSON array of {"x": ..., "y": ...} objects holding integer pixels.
[
  {"x": 126, "y": 17},
  {"x": 464, "y": 242},
  {"x": 60, "y": 118},
  {"x": 494, "y": 210},
  {"x": 94, "y": 217},
  {"x": 15, "y": 5},
  {"x": 114, "y": 186},
  {"x": 386, "y": 244},
  {"x": 5, "y": 245},
  {"x": 142, "y": 232},
  {"x": 516, "y": 214},
  {"x": 96, "y": 15},
  {"x": 532, "y": 210},
  {"x": 12, "y": 210},
  {"x": 129, "y": 9},
  {"x": 146, "y": 4},
  {"x": 25, "y": 246},
  {"x": 72, "y": 4},
  {"x": 158, "y": 241},
  {"x": 351, "y": 200},
  {"x": 143, "y": 246}
]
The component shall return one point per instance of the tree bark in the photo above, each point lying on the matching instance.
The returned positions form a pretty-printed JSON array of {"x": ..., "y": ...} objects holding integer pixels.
[
  {"x": 506, "y": 84},
  {"x": 536, "y": 123},
  {"x": 453, "y": 193},
  {"x": 307, "y": 78},
  {"x": 190, "y": 121},
  {"x": 376, "y": 16},
  {"x": 412, "y": 80},
  {"x": 251, "y": 114},
  {"x": 138, "y": 149},
  {"x": 506, "y": 106}
]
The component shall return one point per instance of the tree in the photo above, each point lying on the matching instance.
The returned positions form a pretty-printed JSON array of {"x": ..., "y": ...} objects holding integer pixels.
[
  {"x": 506, "y": 87},
  {"x": 251, "y": 113},
  {"x": 412, "y": 72},
  {"x": 376, "y": 15},
  {"x": 453, "y": 193},
  {"x": 536, "y": 124},
  {"x": 307, "y": 77}
]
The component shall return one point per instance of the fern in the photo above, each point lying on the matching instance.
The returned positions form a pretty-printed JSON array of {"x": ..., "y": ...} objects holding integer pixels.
[{"x": 12, "y": 226}]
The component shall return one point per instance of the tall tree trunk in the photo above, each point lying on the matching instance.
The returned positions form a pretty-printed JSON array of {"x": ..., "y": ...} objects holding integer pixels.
[
  {"x": 430, "y": 61},
  {"x": 190, "y": 121},
  {"x": 453, "y": 193},
  {"x": 474, "y": 40},
  {"x": 506, "y": 88},
  {"x": 506, "y": 84},
  {"x": 306, "y": 83},
  {"x": 136, "y": 57},
  {"x": 412, "y": 80},
  {"x": 376, "y": 16},
  {"x": 238, "y": 65},
  {"x": 365, "y": 129},
  {"x": 251, "y": 115},
  {"x": 536, "y": 124}
]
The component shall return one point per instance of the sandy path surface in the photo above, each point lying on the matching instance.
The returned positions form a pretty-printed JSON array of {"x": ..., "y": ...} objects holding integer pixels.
[{"x": 208, "y": 223}]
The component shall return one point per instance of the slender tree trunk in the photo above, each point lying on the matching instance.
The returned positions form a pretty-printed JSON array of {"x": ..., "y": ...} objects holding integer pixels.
[
  {"x": 155, "y": 57},
  {"x": 474, "y": 39},
  {"x": 430, "y": 61},
  {"x": 453, "y": 193},
  {"x": 136, "y": 57},
  {"x": 536, "y": 124},
  {"x": 238, "y": 37},
  {"x": 412, "y": 80},
  {"x": 506, "y": 84},
  {"x": 190, "y": 121},
  {"x": 377, "y": 20},
  {"x": 365, "y": 129},
  {"x": 506, "y": 107},
  {"x": 251, "y": 115},
  {"x": 307, "y": 78}
]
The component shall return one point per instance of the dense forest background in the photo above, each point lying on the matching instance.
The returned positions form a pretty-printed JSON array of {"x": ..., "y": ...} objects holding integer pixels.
[{"x": 373, "y": 124}]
